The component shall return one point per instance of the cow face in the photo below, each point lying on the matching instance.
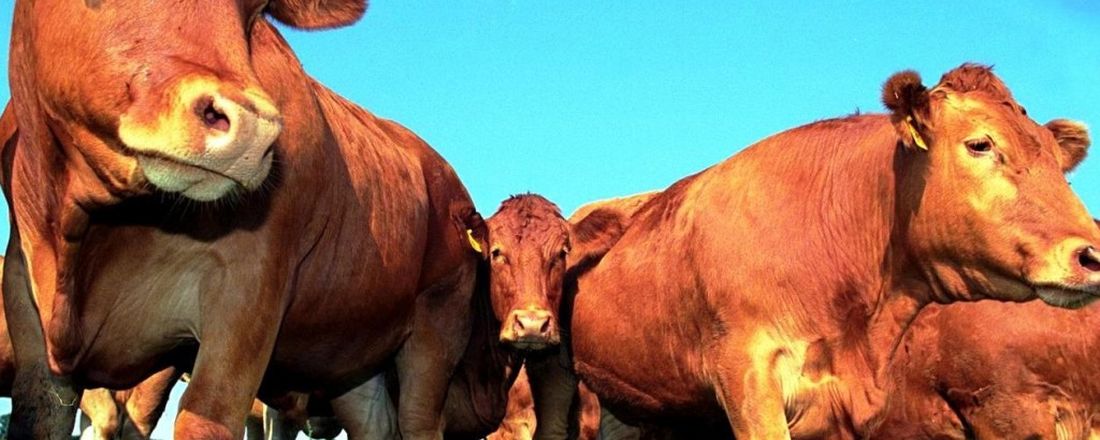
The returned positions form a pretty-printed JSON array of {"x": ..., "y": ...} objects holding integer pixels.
[
  {"x": 982, "y": 191},
  {"x": 527, "y": 245},
  {"x": 154, "y": 91}
]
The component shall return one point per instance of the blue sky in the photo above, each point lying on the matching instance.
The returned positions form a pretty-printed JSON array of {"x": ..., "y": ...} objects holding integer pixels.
[{"x": 582, "y": 100}]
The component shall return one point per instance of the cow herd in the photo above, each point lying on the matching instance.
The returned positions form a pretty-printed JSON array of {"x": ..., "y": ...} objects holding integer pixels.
[{"x": 186, "y": 201}]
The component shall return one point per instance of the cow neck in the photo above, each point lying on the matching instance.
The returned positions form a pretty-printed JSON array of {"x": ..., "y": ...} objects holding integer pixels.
[
  {"x": 874, "y": 291},
  {"x": 488, "y": 366},
  {"x": 895, "y": 296}
]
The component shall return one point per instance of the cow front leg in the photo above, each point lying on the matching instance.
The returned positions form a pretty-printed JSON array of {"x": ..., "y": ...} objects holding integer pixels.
[
  {"x": 43, "y": 405},
  {"x": 367, "y": 411},
  {"x": 236, "y": 341},
  {"x": 750, "y": 392},
  {"x": 427, "y": 360}
]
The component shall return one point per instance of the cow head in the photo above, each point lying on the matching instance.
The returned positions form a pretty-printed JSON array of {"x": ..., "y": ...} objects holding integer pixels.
[
  {"x": 986, "y": 208},
  {"x": 147, "y": 91},
  {"x": 527, "y": 244},
  {"x": 530, "y": 247}
]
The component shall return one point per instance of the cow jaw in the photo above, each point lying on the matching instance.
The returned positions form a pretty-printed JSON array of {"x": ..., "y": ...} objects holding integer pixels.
[
  {"x": 206, "y": 143},
  {"x": 1066, "y": 298}
]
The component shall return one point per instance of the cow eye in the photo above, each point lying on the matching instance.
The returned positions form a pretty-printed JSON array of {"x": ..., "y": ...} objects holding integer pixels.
[
  {"x": 496, "y": 254},
  {"x": 979, "y": 147}
]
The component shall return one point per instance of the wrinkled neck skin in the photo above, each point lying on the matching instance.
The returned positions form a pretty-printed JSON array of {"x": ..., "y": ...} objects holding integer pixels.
[
  {"x": 57, "y": 189},
  {"x": 858, "y": 231}
]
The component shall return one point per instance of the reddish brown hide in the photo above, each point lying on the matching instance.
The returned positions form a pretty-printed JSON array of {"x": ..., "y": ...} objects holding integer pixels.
[
  {"x": 333, "y": 242},
  {"x": 769, "y": 291}
]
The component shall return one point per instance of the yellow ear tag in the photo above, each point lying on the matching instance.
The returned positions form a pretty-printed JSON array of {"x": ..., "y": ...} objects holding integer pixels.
[
  {"x": 473, "y": 242},
  {"x": 916, "y": 136}
]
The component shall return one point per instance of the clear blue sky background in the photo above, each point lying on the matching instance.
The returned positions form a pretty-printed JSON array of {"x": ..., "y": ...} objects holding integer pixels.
[{"x": 583, "y": 100}]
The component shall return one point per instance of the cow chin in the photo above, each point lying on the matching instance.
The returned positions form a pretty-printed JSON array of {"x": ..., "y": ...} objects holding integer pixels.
[
  {"x": 194, "y": 182},
  {"x": 532, "y": 344},
  {"x": 1065, "y": 298}
]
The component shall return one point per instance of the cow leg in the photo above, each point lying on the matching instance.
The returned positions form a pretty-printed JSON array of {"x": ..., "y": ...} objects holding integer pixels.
[
  {"x": 611, "y": 428},
  {"x": 101, "y": 412},
  {"x": 554, "y": 388},
  {"x": 427, "y": 360},
  {"x": 588, "y": 413},
  {"x": 750, "y": 392},
  {"x": 366, "y": 412},
  {"x": 223, "y": 385},
  {"x": 277, "y": 426},
  {"x": 43, "y": 405},
  {"x": 254, "y": 427},
  {"x": 146, "y": 404},
  {"x": 237, "y": 338}
]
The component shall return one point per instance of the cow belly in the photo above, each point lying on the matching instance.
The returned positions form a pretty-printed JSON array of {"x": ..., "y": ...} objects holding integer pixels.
[
  {"x": 641, "y": 366},
  {"x": 336, "y": 356}
]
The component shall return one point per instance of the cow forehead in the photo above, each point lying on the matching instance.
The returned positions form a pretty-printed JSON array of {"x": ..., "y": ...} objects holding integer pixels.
[
  {"x": 977, "y": 113},
  {"x": 530, "y": 232}
]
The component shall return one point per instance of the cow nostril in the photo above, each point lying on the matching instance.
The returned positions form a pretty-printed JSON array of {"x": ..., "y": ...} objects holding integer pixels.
[
  {"x": 545, "y": 327},
  {"x": 211, "y": 116},
  {"x": 518, "y": 326},
  {"x": 1089, "y": 258}
]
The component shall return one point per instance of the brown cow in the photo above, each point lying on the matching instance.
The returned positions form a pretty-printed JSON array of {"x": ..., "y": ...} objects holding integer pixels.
[
  {"x": 527, "y": 247},
  {"x": 769, "y": 292},
  {"x": 610, "y": 219},
  {"x": 333, "y": 242}
]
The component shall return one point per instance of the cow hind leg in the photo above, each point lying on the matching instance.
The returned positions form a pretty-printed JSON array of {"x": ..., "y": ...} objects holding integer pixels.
[
  {"x": 277, "y": 426},
  {"x": 426, "y": 362},
  {"x": 589, "y": 413},
  {"x": 100, "y": 421},
  {"x": 366, "y": 412},
  {"x": 146, "y": 404}
]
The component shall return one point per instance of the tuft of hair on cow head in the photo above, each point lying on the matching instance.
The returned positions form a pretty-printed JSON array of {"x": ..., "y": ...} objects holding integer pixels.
[
  {"x": 594, "y": 235},
  {"x": 910, "y": 108},
  {"x": 317, "y": 14},
  {"x": 1073, "y": 138}
]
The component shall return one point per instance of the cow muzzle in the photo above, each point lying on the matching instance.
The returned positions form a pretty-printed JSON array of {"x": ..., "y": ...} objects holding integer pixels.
[
  {"x": 210, "y": 139},
  {"x": 530, "y": 329},
  {"x": 1072, "y": 279}
]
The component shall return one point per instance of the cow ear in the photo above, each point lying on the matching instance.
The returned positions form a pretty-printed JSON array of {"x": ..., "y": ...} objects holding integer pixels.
[
  {"x": 317, "y": 14},
  {"x": 594, "y": 235},
  {"x": 474, "y": 230},
  {"x": 910, "y": 107},
  {"x": 1073, "y": 138},
  {"x": 477, "y": 236}
]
